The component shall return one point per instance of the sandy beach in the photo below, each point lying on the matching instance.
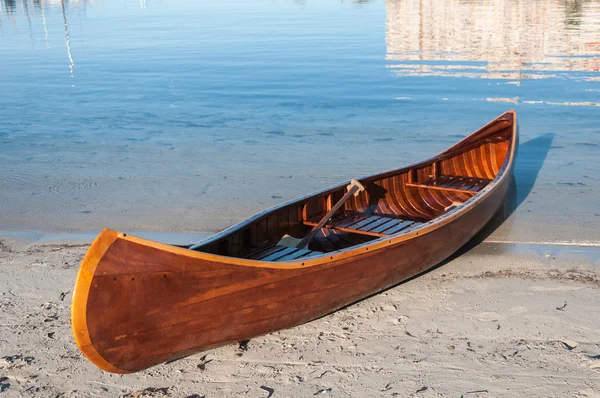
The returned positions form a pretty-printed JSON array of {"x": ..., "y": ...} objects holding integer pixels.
[
  {"x": 500, "y": 320},
  {"x": 174, "y": 120}
]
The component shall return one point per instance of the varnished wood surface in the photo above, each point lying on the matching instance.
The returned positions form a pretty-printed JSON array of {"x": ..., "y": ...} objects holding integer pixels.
[
  {"x": 363, "y": 224},
  {"x": 138, "y": 303}
]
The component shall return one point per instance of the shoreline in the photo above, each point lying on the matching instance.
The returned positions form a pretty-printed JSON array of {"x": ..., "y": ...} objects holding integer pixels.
[{"x": 183, "y": 238}]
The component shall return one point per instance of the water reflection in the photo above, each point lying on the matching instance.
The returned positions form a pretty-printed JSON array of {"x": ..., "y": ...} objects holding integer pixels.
[
  {"x": 44, "y": 23},
  {"x": 494, "y": 39},
  {"x": 67, "y": 40},
  {"x": 11, "y": 8},
  {"x": 26, "y": 9}
]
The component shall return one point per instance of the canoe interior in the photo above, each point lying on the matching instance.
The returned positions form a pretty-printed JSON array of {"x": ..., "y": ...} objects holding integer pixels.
[{"x": 393, "y": 203}]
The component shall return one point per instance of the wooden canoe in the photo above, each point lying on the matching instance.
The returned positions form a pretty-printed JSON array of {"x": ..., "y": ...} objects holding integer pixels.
[{"x": 139, "y": 303}]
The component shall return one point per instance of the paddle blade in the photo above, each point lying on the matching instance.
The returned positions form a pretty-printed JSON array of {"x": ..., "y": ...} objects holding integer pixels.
[{"x": 289, "y": 241}]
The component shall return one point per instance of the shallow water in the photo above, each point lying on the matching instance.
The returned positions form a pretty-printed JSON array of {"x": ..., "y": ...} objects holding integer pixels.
[{"x": 189, "y": 116}]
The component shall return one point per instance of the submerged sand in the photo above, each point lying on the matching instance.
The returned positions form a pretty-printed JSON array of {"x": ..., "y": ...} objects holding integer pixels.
[{"x": 498, "y": 321}]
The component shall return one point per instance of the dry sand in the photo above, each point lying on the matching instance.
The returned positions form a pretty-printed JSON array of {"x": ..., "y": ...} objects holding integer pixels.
[{"x": 499, "y": 321}]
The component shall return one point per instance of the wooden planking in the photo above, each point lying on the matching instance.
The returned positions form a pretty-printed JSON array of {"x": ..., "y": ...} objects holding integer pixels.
[
  {"x": 462, "y": 184},
  {"x": 482, "y": 161},
  {"x": 265, "y": 252},
  {"x": 328, "y": 240},
  {"x": 486, "y": 161},
  {"x": 235, "y": 244},
  {"x": 479, "y": 185},
  {"x": 385, "y": 205},
  {"x": 261, "y": 231},
  {"x": 416, "y": 202},
  {"x": 361, "y": 224},
  {"x": 283, "y": 221},
  {"x": 370, "y": 227},
  {"x": 272, "y": 228},
  {"x": 501, "y": 152},
  {"x": 389, "y": 223},
  {"x": 314, "y": 207},
  {"x": 346, "y": 221},
  {"x": 471, "y": 182},
  {"x": 376, "y": 226},
  {"x": 299, "y": 253},
  {"x": 401, "y": 227},
  {"x": 281, "y": 253}
]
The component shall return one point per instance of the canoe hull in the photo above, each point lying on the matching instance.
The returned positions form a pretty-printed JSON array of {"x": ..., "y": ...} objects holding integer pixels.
[{"x": 138, "y": 303}]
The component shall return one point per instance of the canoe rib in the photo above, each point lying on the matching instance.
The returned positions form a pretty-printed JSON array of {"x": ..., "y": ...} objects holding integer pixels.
[{"x": 138, "y": 303}]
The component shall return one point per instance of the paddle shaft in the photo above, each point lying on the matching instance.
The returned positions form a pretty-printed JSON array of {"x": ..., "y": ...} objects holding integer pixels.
[{"x": 306, "y": 240}]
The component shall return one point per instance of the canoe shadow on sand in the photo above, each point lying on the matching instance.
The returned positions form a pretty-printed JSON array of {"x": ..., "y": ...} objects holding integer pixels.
[{"x": 530, "y": 159}]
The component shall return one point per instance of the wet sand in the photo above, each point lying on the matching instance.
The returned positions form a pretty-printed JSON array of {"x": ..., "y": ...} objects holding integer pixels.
[{"x": 500, "y": 320}]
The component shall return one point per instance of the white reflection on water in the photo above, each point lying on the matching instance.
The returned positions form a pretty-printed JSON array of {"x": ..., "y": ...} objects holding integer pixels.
[
  {"x": 12, "y": 7},
  {"x": 67, "y": 40},
  {"x": 45, "y": 24},
  {"x": 494, "y": 39}
]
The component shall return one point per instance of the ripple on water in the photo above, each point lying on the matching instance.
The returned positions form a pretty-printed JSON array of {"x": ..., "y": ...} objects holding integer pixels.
[
  {"x": 46, "y": 184},
  {"x": 73, "y": 185}
]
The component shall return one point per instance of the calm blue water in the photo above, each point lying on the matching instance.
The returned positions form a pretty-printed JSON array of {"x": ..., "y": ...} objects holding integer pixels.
[{"x": 191, "y": 115}]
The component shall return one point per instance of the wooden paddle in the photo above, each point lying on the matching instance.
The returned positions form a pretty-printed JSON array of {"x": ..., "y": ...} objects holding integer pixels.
[{"x": 354, "y": 188}]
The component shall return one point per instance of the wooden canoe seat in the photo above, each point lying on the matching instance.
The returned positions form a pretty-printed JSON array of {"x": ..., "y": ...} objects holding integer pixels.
[
  {"x": 375, "y": 225},
  {"x": 282, "y": 253},
  {"x": 470, "y": 185}
]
